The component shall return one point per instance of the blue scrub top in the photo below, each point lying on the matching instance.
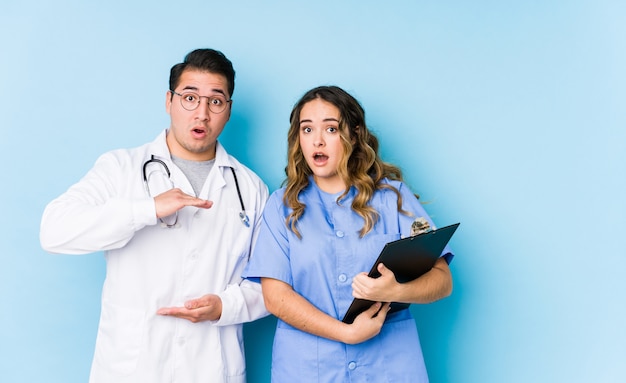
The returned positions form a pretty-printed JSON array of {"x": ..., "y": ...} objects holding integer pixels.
[{"x": 320, "y": 267}]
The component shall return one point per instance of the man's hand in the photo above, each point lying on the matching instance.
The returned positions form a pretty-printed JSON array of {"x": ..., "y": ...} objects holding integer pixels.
[
  {"x": 208, "y": 307},
  {"x": 173, "y": 200}
]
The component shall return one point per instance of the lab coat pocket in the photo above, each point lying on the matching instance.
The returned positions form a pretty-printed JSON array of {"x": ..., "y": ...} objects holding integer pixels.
[
  {"x": 119, "y": 338},
  {"x": 238, "y": 230}
]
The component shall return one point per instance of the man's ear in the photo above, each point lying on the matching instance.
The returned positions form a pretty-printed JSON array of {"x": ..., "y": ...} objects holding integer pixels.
[
  {"x": 168, "y": 101},
  {"x": 230, "y": 109}
]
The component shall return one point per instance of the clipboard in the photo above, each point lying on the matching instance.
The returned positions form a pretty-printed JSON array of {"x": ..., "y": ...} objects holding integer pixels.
[{"x": 408, "y": 258}]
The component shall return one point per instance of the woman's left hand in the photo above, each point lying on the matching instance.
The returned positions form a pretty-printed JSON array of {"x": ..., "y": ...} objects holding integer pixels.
[{"x": 381, "y": 289}]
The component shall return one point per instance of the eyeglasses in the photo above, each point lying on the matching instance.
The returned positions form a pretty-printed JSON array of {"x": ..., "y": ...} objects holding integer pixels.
[{"x": 191, "y": 100}]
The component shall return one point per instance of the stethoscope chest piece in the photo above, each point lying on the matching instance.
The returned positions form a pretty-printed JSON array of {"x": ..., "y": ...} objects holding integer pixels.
[{"x": 244, "y": 218}]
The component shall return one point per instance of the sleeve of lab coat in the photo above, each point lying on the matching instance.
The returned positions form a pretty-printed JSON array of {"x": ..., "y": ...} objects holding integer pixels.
[
  {"x": 243, "y": 302},
  {"x": 94, "y": 214}
]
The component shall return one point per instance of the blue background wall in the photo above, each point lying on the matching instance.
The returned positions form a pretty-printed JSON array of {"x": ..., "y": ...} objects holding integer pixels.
[{"x": 506, "y": 116}]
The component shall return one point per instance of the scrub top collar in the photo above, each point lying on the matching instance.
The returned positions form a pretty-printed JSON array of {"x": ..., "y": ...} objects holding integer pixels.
[{"x": 328, "y": 198}]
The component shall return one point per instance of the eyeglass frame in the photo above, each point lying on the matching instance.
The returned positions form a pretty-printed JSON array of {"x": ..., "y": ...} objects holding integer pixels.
[{"x": 200, "y": 100}]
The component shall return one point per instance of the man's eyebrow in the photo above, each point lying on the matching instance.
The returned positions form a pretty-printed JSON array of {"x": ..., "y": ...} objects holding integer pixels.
[
  {"x": 220, "y": 91},
  {"x": 195, "y": 89}
]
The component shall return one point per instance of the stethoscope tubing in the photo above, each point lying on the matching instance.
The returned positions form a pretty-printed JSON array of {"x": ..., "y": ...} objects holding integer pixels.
[{"x": 242, "y": 214}]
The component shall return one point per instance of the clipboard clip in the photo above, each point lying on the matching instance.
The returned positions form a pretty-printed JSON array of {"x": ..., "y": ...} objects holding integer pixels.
[{"x": 420, "y": 226}]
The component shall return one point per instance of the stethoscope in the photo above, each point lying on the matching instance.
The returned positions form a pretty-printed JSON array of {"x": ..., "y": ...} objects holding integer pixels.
[{"x": 242, "y": 214}]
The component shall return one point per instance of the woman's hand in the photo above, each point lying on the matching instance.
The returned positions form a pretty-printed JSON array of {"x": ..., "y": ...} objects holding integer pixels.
[
  {"x": 291, "y": 307},
  {"x": 430, "y": 287},
  {"x": 381, "y": 289},
  {"x": 367, "y": 324}
]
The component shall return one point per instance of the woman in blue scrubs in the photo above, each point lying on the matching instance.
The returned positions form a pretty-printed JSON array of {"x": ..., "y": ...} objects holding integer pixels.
[{"x": 340, "y": 205}]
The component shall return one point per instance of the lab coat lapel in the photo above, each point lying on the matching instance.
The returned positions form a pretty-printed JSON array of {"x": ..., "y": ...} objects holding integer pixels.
[{"x": 216, "y": 179}]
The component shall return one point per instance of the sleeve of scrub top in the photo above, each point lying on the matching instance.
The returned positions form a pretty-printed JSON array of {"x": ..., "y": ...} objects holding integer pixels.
[
  {"x": 270, "y": 258},
  {"x": 412, "y": 204},
  {"x": 91, "y": 215}
]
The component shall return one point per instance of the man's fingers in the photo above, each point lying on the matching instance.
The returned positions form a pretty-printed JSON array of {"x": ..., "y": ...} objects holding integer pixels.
[
  {"x": 189, "y": 200},
  {"x": 173, "y": 200},
  {"x": 202, "y": 203},
  {"x": 195, "y": 303},
  {"x": 203, "y": 301},
  {"x": 169, "y": 311},
  {"x": 207, "y": 307},
  {"x": 180, "y": 312}
]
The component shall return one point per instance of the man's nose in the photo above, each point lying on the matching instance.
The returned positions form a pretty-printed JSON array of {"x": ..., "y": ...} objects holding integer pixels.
[{"x": 202, "y": 111}]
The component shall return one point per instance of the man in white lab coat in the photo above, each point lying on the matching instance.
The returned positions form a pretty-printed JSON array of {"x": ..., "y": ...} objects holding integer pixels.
[{"x": 177, "y": 219}]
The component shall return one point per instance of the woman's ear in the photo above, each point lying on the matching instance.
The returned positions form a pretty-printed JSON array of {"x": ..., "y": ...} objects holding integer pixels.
[{"x": 356, "y": 133}]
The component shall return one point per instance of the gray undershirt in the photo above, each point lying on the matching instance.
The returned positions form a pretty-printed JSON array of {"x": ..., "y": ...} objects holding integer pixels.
[{"x": 195, "y": 171}]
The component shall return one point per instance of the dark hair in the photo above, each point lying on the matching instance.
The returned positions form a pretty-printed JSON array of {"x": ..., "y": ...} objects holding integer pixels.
[
  {"x": 208, "y": 60},
  {"x": 360, "y": 167}
]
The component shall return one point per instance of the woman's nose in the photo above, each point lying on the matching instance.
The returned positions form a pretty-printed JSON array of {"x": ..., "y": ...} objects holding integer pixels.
[{"x": 318, "y": 141}]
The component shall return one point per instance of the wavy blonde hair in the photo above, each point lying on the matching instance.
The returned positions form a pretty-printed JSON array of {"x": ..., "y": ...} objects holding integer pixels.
[{"x": 361, "y": 166}]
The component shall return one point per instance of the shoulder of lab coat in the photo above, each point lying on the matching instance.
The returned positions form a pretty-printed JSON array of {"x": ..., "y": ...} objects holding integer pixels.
[{"x": 93, "y": 214}]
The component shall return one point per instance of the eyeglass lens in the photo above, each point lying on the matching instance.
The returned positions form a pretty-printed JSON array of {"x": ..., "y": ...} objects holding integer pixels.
[{"x": 190, "y": 101}]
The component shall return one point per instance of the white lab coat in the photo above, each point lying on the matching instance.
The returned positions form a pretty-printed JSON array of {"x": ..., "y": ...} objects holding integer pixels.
[{"x": 149, "y": 267}]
